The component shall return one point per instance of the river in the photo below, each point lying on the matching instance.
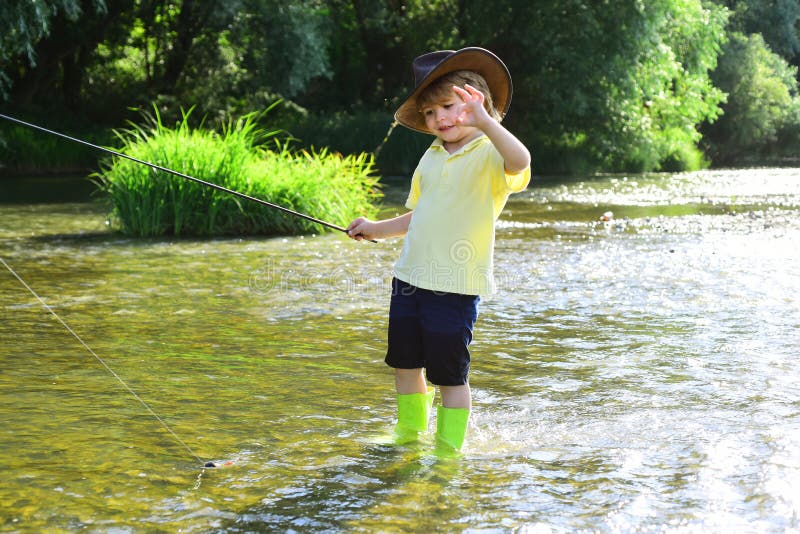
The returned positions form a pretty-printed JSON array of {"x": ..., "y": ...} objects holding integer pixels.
[{"x": 637, "y": 374}]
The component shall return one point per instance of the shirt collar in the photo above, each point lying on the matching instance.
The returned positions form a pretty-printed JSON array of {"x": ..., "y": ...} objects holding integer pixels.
[{"x": 439, "y": 144}]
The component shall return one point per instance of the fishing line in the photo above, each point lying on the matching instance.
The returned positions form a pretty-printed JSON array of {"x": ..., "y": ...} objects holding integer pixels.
[
  {"x": 182, "y": 175},
  {"x": 109, "y": 369},
  {"x": 386, "y": 138}
]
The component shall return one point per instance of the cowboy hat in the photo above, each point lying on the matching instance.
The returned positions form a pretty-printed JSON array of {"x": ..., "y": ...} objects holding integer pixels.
[{"x": 431, "y": 66}]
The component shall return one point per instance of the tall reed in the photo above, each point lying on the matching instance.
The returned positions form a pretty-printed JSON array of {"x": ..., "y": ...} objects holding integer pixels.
[{"x": 147, "y": 202}]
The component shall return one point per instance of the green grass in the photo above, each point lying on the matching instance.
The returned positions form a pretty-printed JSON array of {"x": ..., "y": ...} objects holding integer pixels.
[{"x": 147, "y": 202}]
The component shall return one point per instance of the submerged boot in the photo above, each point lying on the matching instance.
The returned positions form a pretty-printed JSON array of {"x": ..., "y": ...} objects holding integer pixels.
[
  {"x": 451, "y": 428},
  {"x": 412, "y": 416}
]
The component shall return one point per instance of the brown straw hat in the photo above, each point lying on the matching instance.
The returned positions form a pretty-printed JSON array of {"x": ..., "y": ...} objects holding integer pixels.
[{"x": 428, "y": 67}]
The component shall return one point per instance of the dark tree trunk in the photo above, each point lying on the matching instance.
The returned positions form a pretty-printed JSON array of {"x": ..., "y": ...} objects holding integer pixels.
[
  {"x": 63, "y": 56},
  {"x": 192, "y": 18}
]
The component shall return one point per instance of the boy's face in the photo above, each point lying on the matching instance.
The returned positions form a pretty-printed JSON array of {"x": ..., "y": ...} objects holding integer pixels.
[{"x": 442, "y": 118}]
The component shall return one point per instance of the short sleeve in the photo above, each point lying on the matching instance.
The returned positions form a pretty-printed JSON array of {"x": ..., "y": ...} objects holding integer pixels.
[
  {"x": 518, "y": 181},
  {"x": 413, "y": 194},
  {"x": 504, "y": 183}
]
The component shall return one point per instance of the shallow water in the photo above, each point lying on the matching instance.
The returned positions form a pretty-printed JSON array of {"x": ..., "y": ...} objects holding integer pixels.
[{"x": 635, "y": 375}]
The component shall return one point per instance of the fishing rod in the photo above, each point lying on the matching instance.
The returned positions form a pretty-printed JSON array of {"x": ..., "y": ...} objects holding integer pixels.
[{"x": 181, "y": 175}]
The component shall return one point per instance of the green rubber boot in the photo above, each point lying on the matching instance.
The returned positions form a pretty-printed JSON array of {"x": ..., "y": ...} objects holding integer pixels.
[
  {"x": 451, "y": 428},
  {"x": 412, "y": 416}
]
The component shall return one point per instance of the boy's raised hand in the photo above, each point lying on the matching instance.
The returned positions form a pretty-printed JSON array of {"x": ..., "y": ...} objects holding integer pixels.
[
  {"x": 473, "y": 112},
  {"x": 515, "y": 156}
]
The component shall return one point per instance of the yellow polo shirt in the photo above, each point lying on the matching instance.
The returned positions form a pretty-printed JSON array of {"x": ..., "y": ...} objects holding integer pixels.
[{"x": 456, "y": 199}]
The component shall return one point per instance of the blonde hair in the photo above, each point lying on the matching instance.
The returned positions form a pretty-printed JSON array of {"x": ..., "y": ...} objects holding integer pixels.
[{"x": 443, "y": 86}]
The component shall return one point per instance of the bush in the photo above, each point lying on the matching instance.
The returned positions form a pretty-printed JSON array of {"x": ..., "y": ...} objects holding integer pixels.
[
  {"x": 25, "y": 151},
  {"x": 147, "y": 202},
  {"x": 762, "y": 104}
]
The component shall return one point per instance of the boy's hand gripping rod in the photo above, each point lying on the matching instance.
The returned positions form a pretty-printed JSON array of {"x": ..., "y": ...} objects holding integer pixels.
[{"x": 182, "y": 175}]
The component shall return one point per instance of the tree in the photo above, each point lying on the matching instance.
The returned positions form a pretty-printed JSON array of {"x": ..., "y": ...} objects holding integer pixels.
[
  {"x": 50, "y": 66},
  {"x": 775, "y": 20},
  {"x": 26, "y": 22},
  {"x": 282, "y": 46},
  {"x": 597, "y": 84},
  {"x": 762, "y": 101},
  {"x": 607, "y": 84}
]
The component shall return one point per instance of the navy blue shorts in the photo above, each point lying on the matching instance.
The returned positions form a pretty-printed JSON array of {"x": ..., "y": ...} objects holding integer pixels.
[{"x": 431, "y": 329}]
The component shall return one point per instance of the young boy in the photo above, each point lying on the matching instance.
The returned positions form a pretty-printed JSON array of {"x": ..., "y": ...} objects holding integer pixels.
[{"x": 457, "y": 193}]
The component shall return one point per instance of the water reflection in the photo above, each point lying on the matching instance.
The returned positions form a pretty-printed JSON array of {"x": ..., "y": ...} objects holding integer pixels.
[{"x": 638, "y": 373}]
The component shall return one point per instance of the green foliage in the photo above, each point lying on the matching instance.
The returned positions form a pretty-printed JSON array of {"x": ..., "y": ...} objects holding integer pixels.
[
  {"x": 637, "y": 102},
  {"x": 775, "y": 20},
  {"x": 397, "y": 150},
  {"x": 282, "y": 43},
  {"x": 24, "y": 151},
  {"x": 762, "y": 101},
  {"x": 146, "y": 202},
  {"x": 597, "y": 85},
  {"x": 25, "y": 22}
]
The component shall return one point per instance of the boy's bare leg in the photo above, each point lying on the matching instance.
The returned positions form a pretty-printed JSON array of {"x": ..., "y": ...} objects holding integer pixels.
[
  {"x": 456, "y": 396},
  {"x": 410, "y": 381},
  {"x": 413, "y": 381}
]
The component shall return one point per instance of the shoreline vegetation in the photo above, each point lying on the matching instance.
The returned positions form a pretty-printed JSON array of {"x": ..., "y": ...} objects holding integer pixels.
[
  {"x": 628, "y": 87},
  {"x": 242, "y": 157},
  {"x": 662, "y": 86},
  {"x": 27, "y": 152}
]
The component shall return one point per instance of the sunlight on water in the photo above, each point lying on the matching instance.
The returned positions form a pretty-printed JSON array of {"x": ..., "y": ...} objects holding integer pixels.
[{"x": 632, "y": 374}]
